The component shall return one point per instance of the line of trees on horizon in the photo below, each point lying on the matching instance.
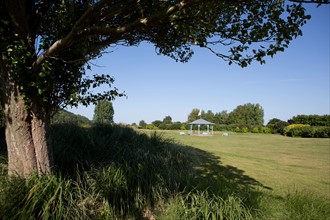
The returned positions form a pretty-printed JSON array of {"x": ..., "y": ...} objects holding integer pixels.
[
  {"x": 249, "y": 118},
  {"x": 247, "y": 115},
  {"x": 244, "y": 118}
]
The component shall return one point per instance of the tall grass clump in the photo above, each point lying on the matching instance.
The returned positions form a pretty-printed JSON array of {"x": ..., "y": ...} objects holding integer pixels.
[
  {"x": 202, "y": 205},
  {"x": 130, "y": 170},
  {"x": 48, "y": 198},
  {"x": 305, "y": 205}
]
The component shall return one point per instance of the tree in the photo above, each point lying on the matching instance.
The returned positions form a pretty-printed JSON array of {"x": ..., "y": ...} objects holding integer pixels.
[
  {"x": 46, "y": 47},
  {"x": 221, "y": 118},
  {"x": 156, "y": 123},
  {"x": 248, "y": 114},
  {"x": 167, "y": 120},
  {"x": 103, "y": 112},
  {"x": 277, "y": 126},
  {"x": 313, "y": 120},
  {"x": 142, "y": 124},
  {"x": 194, "y": 115},
  {"x": 64, "y": 116},
  {"x": 1, "y": 117},
  {"x": 209, "y": 116}
]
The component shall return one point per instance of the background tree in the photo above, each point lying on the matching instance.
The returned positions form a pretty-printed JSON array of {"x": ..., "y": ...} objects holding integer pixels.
[
  {"x": 209, "y": 116},
  {"x": 156, "y": 123},
  {"x": 248, "y": 114},
  {"x": 193, "y": 115},
  {"x": 63, "y": 116},
  {"x": 313, "y": 120},
  {"x": 103, "y": 112},
  {"x": 277, "y": 126},
  {"x": 142, "y": 124},
  {"x": 221, "y": 118},
  {"x": 167, "y": 120},
  {"x": 45, "y": 46}
]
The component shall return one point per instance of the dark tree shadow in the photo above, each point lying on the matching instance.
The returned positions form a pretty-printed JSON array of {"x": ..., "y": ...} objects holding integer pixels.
[
  {"x": 212, "y": 169},
  {"x": 225, "y": 180},
  {"x": 147, "y": 163}
]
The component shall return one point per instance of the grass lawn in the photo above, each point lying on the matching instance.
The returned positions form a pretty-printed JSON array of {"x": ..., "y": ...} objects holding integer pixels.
[
  {"x": 280, "y": 164},
  {"x": 115, "y": 172}
]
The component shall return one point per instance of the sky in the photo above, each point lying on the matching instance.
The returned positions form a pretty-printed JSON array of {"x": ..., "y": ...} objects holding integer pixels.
[{"x": 293, "y": 82}]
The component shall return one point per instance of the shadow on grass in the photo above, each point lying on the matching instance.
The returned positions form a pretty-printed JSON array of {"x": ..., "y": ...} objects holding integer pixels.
[
  {"x": 132, "y": 170},
  {"x": 212, "y": 169},
  {"x": 149, "y": 162},
  {"x": 225, "y": 180}
]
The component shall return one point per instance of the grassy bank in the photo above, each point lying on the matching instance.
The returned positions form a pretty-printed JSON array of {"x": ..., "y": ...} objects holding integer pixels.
[{"x": 118, "y": 173}]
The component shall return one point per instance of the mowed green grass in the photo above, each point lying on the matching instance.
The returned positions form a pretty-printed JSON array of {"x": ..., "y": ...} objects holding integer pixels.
[{"x": 281, "y": 164}]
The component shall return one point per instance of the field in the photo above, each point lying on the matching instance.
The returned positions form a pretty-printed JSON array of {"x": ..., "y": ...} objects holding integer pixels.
[
  {"x": 116, "y": 172},
  {"x": 280, "y": 164}
]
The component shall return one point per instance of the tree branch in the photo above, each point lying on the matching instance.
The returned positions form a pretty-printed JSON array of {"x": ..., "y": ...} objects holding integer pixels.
[{"x": 79, "y": 32}]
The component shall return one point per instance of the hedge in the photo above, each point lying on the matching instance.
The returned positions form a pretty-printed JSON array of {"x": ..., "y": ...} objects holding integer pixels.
[{"x": 306, "y": 131}]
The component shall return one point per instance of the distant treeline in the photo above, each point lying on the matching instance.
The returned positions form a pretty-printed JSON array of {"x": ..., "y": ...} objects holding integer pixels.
[
  {"x": 243, "y": 119},
  {"x": 63, "y": 117},
  {"x": 249, "y": 118},
  {"x": 313, "y": 120}
]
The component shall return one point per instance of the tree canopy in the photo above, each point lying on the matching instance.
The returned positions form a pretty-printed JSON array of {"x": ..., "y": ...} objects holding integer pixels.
[
  {"x": 248, "y": 114},
  {"x": 103, "y": 112},
  {"x": 65, "y": 117},
  {"x": 47, "y": 46}
]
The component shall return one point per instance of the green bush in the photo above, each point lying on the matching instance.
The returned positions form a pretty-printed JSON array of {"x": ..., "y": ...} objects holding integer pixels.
[
  {"x": 321, "y": 132},
  {"x": 151, "y": 127},
  {"x": 256, "y": 130},
  {"x": 244, "y": 130},
  {"x": 306, "y": 131},
  {"x": 265, "y": 130},
  {"x": 277, "y": 126}
]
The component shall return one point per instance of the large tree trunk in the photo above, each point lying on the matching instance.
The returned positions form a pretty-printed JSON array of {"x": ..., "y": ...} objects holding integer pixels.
[{"x": 28, "y": 147}]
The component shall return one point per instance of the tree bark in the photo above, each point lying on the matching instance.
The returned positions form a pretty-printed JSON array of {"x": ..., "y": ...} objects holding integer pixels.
[
  {"x": 40, "y": 122},
  {"x": 28, "y": 145}
]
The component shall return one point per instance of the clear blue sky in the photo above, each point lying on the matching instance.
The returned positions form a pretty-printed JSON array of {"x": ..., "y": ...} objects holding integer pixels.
[{"x": 294, "y": 82}]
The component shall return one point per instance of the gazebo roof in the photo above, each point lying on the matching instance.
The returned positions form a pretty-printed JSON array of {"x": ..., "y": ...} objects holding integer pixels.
[{"x": 201, "y": 122}]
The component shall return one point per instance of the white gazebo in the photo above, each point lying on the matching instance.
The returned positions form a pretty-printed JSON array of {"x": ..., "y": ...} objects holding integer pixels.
[{"x": 199, "y": 122}]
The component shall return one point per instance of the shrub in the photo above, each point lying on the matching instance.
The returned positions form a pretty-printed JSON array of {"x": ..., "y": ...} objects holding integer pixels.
[
  {"x": 151, "y": 127},
  {"x": 256, "y": 130},
  {"x": 266, "y": 130},
  {"x": 300, "y": 130},
  {"x": 293, "y": 130},
  {"x": 277, "y": 126},
  {"x": 321, "y": 132},
  {"x": 244, "y": 130}
]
